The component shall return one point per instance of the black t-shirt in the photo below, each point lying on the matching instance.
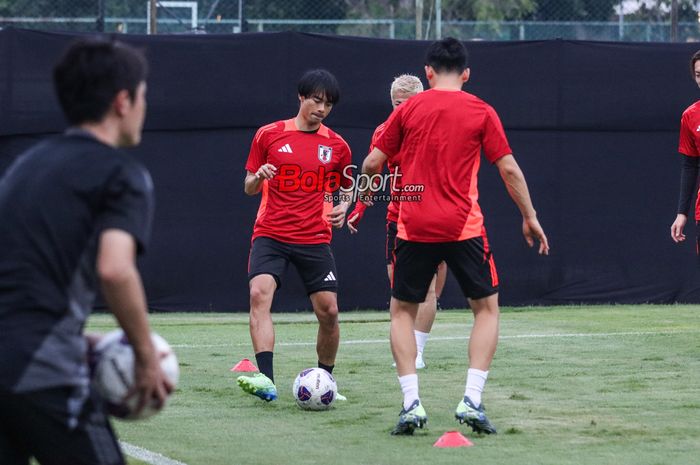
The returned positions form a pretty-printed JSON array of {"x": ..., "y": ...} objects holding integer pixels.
[{"x": 55, "y": 200}]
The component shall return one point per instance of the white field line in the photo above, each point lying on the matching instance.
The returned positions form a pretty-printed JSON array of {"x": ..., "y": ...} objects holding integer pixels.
[
  {"x": 451, "y": 338},
  {"x": 146, "y": 455}
]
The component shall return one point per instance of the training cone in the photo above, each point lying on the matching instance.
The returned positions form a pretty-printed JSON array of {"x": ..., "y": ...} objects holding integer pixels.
[
  {"x": 244, "y": 365},
  {"x": 453, "y": 439}
]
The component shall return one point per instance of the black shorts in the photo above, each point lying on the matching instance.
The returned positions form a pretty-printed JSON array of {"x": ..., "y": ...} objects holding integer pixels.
[
  {"x": 35, "y": 425},
  {"x": 390, "y": 241},
  {"x": 470, "y": 261},
  {"x": 314, "y": 262}
]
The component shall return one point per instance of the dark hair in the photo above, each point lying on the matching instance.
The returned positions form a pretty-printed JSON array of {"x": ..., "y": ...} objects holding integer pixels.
[
  {"x": 696, "y": 57},
  {"x": 447, "y": 55},
  {"x": 91, "y": 73},
  {"x": 319, "y": 82}
]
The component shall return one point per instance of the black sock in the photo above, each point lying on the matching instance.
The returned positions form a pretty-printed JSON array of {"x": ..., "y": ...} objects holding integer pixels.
[
  {"x": 328, "y": 368},
  {"x": 264, "y": 360}
]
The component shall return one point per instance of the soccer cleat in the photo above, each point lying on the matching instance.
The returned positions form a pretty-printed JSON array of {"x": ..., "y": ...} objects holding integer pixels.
[
  {"x": 258, "y": 385},
  {"x": 340, "y": 397},
  {"x": 409, "y": 420},
  {"x": 475, "y": 417}
]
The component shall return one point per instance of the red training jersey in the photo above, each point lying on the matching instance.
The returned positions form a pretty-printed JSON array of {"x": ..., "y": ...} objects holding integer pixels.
[
  {"x": 309, "y": 165},
  {"x": 439, "y": 135},
  {"x": 392, "y": 210},
  {"x": 689, "y": 141}
]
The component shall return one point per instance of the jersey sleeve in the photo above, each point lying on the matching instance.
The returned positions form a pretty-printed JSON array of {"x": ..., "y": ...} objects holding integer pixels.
[
  {"x": 493, "y": 139},
  {"x": 257, "y": 155},
  {"x": 686, "y": 142},
  {"x": 128, "y": 204},
  {"x": 390, "y": 140}
]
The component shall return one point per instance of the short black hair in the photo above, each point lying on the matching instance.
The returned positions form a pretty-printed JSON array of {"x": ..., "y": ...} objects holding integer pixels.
[
  {"x": 319, "y": 82},
  {"x": 91, "y": 73},
  {"x": 696, "y": 57},
  {"x": 447, "y": 55}
]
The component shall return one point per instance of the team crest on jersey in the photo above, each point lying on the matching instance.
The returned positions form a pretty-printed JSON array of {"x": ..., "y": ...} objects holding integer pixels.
[{"x": 325, "y": 153}]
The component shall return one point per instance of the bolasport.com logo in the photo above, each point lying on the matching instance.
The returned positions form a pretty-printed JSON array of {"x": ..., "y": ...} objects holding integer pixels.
[{"x": 343, "y": 186}]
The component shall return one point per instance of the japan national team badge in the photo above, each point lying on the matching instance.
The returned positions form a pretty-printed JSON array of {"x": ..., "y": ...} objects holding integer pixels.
[{"x": 325, "y": 153}]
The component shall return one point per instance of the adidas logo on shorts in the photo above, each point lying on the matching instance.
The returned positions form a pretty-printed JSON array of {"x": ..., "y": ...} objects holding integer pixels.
[{"x": 330, "y": 277}]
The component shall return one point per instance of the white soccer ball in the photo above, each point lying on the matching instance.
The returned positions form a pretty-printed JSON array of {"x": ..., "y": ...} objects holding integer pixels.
[
  {"x": 314, "y": 389},
  {"x": 114, "y": 373}
]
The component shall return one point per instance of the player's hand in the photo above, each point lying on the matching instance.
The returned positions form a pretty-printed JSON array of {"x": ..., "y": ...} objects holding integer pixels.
[
  {"x": 266, "y": 171},
  {"x": 150, "y": 382},
  {"x": 533, "y": 231},
  {"x": 677, "y": 228},
  {"x": 355, "y": 217},
  {"x": 336, "y": 217}
]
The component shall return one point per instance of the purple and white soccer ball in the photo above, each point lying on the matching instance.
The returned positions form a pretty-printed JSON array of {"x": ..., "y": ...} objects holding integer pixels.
[
  {"x": 114, "y": 373},
  {"x": 314, "y": 389}
]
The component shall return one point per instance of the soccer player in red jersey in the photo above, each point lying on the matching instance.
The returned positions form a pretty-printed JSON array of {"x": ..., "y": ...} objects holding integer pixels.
[
  {"x": 439, "y": 134},
  {"x": 689, "y": 146},
  {"x": 297, "y": 164},
  {"x": 403, "y": 87}
]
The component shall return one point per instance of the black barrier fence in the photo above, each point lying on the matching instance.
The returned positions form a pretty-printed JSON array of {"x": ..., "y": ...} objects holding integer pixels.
[{"x": 593, "y": 125}]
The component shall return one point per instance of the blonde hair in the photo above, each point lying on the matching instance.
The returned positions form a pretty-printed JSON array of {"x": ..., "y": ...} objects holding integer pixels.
[{"x": 405, "y": 84}]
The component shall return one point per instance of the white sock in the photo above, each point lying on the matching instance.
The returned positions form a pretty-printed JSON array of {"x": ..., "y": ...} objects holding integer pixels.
[
  {"x": 409, "y": 387},
  {"x": 421, "y": 339},
  {"x": 475, "y": 385}
]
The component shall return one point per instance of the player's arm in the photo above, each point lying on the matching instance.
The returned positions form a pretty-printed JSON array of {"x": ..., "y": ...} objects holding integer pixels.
[
  {"x": 689, "y": 176},
  {"x": 254, "y": 181},
  {"x": 124, "y": 294},
  {"x": 515, "y": 183},
  {"x": 372, "y": 165}
]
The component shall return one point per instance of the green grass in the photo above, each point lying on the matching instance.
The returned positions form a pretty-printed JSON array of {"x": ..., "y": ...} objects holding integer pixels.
[{"x": 569, "y": 385}]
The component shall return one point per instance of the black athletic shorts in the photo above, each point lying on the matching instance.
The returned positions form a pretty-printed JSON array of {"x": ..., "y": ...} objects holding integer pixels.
[
  {"x": 390, "y": 241},
  {"x": 470, "y": 261},
  {"x": 314, "y": 262},
  {"x": 35, "y": 425}
]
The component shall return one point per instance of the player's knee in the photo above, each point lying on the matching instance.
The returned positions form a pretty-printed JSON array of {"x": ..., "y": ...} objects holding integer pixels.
[
  {"x": 328, "y": 314},
  {"x": 259, "y": 296}
]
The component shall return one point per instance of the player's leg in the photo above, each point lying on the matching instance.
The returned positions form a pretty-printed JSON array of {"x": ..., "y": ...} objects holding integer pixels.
[
  {"x": 13, "y": 449},
  {"x": 424, "y": 322},
  {"x": 267, "y": 263},
  {"x": 414, "y": 268},
  {"x": 325, "y": 304},
  {"x": 56, "y": 437},
  {"x": 440, "y": 281},
  {"x": 472, "y": 263},
  {"x": 316, "y": 266}
]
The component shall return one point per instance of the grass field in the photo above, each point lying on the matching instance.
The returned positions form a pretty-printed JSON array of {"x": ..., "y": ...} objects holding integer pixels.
[{"x": 569, "y": 385}]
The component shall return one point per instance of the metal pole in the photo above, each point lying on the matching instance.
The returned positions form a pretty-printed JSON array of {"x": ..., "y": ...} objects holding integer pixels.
[
  {"x": 621, "y": 22},
  {"x": 438, "y": 19},
  {"x": 674, "y": 20},
  {"x": 100, "y": 16},
  {"x": 153, "y": 20},
  {"x": 419, "y": 19},
  {"x": 240, "y": 16}
]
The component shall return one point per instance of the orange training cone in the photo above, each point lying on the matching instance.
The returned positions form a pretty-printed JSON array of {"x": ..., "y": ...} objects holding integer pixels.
[
  {"x": 453, "y": 439},
  {"x": 244, "y": 365}
]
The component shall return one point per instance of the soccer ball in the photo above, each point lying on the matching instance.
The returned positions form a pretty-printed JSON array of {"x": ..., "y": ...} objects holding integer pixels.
[
  {"x": 314, "y": 389},
  {"x": 114, "y": 373}
]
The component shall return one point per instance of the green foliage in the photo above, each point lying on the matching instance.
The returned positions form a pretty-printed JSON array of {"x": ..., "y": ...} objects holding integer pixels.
[
  {"x": 575, "y": 10},
  {"x": 488, "y": 10}
]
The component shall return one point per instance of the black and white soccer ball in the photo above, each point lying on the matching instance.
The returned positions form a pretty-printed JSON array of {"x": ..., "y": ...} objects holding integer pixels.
[
  {"x": 314, "y": 389},
  {"x": 114, "y": 373}
]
